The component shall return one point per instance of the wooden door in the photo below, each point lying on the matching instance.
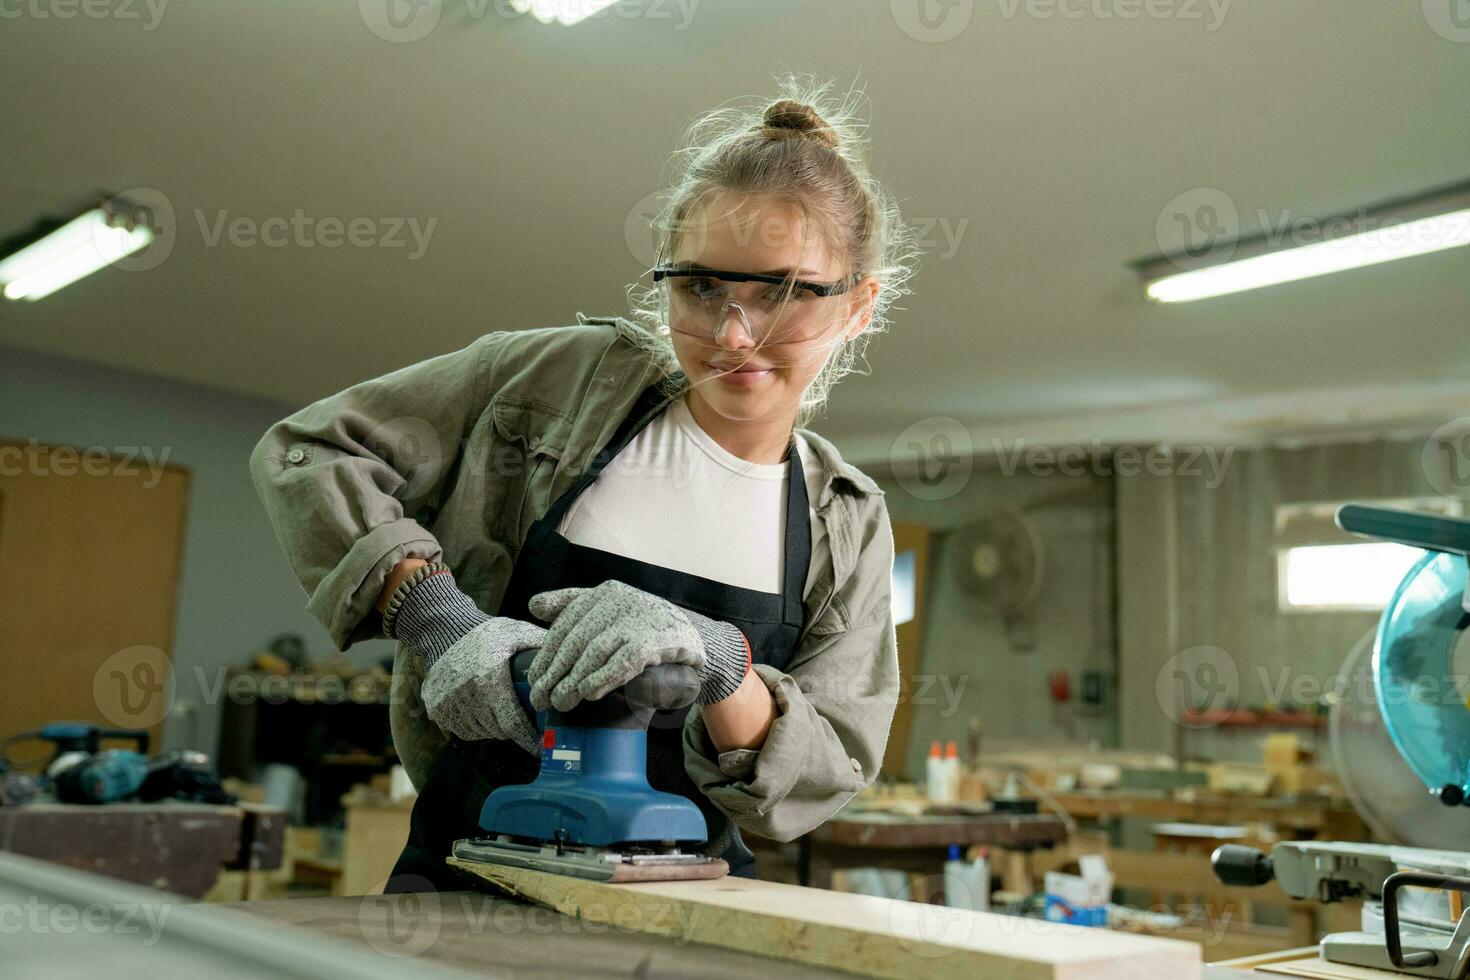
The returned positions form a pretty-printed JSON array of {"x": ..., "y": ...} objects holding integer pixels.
[{"x": 911, "y": 547}]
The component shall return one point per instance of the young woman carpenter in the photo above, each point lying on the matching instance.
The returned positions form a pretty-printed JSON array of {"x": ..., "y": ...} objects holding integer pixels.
[{"x": 628, "y": 491}]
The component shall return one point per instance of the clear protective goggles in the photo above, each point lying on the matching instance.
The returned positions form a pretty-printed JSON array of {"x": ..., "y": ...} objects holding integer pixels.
[{"x": 773, "y": 308}]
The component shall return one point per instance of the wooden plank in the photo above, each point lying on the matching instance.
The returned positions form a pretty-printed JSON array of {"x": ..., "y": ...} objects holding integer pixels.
[
  {"x": 493, "y": 936},
  {"x": 1317, "y": 968},
  {"x": 870, "y": 936}
]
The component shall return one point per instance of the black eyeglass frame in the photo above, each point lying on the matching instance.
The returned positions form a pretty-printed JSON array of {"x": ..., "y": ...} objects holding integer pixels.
[{"x": 685, "y": 270}]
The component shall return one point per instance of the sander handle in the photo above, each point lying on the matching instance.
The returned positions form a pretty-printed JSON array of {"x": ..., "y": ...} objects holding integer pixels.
[{"x": 661, "y": 687}]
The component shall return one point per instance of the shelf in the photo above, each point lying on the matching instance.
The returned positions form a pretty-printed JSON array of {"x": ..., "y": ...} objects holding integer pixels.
[{"x": 1244, "y": 718}]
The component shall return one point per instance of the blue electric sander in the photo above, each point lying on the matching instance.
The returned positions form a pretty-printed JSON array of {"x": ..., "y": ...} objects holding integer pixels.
[{"x": 590, "y": 812}]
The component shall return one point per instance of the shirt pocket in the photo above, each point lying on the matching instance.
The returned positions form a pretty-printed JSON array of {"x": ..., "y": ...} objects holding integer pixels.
[{"x": 530, "y": 441}]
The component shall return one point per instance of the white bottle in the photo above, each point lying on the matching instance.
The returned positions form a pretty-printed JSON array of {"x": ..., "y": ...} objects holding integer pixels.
[
  {"x": 966, "y": 883},
  {"x": 936, "y": 776}
]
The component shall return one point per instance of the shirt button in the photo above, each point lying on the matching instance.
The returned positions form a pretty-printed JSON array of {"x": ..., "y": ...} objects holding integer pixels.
[{"x": 296, "y": 456}]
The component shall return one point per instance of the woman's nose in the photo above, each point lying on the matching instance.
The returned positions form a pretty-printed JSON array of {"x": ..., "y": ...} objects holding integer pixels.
[{"x": 734, "y": 330}]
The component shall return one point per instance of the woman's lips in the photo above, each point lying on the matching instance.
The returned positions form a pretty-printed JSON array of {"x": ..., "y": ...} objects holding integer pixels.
[{"x": 740, "y": 374}]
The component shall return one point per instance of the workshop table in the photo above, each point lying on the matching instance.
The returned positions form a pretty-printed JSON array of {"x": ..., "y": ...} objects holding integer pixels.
[
  {"x": 915, "y": 843},
  {"x": 1301, "y": 816},
  {"x": 1245, "y": 967},
  {"x": 176, "y": 846}
]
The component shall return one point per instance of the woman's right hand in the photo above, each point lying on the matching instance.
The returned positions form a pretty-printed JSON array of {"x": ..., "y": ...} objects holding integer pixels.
[
  {"x": 467, "y": 688},
  {"x": 469, "y": 692}
]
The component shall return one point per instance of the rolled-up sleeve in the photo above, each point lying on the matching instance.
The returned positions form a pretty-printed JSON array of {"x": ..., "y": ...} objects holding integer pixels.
[
  {"x": 339, "y": 477},
  {"x": 834, "y": 705}
]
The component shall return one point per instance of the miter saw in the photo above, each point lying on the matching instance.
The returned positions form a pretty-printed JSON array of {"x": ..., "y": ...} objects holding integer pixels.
[
  {"x": 1420, "y": 684},
  {"x": 590, "y": 812}
]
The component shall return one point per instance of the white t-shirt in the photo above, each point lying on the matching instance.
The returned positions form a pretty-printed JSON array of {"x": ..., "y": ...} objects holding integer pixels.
[{"x": 676, "y": 498}]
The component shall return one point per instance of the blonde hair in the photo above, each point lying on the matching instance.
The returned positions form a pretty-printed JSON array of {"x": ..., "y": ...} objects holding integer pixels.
[{"x": 805, "y": 148}]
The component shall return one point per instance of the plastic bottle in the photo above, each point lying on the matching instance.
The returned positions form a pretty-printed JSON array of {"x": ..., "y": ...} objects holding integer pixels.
[
  {"x": 936, "y": 782},
  {"x": 966, "y": 883},
  {"x": 952, "y": 772}
]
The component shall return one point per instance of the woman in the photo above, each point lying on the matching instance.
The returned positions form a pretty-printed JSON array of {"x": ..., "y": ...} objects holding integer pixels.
[{"x": 630, "y": 491}]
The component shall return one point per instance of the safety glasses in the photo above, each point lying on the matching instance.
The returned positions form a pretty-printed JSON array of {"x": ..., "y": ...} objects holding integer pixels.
[{"x": 774, "y": 309}]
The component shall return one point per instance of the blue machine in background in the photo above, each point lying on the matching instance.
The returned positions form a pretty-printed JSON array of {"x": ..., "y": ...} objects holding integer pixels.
[{"x": 1421, "y": 675}]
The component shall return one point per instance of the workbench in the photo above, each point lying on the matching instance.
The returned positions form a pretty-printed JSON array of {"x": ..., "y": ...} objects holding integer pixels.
[
  {"x": 915, "y": 843},
  {"x": 1301, "y": 816},
  {"x": 171, "y": 845}
]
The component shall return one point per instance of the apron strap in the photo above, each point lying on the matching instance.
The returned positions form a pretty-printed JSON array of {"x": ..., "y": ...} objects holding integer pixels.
[
  {"x": 649, "y": 403},
  {"x": 798, "y": 537}
]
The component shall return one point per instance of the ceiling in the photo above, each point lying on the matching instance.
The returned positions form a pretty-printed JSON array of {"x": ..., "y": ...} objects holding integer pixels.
[{"x": 1048, "y": 149}]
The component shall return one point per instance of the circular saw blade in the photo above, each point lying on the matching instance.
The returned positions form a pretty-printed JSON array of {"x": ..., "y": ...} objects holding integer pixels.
[{"x": 1391, "y": 799}]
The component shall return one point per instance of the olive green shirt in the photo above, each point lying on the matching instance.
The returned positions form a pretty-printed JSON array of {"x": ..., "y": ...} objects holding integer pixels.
[{"x": 453, "y": 458}]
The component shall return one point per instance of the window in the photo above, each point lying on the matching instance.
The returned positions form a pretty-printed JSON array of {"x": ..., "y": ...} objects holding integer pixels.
[
  {"x": 1321, "y": 568},
  {"x": 903, "y": 587},
  {"x": 1344, "y": 576}
]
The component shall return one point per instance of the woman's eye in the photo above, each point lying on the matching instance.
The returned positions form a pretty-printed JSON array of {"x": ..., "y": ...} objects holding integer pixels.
[{"x": 702, "y": 288}]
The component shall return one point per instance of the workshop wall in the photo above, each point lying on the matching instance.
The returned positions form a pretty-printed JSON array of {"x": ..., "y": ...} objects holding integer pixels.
[
  {"x": 1193, "y": 552},
  {"x": 1198, "y": 569},
  {"x": 969, "y": 663},
  {"x": 236, "y": 591}
]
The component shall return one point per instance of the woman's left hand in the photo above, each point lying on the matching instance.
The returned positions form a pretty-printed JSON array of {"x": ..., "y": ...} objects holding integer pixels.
[{"x": 603, "y": 637}]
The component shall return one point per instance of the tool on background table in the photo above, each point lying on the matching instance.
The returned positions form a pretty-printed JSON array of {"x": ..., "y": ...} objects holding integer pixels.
[
  {"x": 1421, "y": 702},
  {"x": 590, "y": 812},
  {"x": 80, "y": 771}
]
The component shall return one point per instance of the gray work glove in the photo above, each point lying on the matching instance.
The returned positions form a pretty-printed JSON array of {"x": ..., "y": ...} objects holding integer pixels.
[
  {"x": 603, "y": 637},
  {"x": 469, "y": 692},
  {"x": 467, "y": 687}
]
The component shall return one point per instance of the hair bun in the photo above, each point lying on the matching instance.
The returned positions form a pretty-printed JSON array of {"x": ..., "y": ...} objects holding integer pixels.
[{"x": 798, "y": 118}]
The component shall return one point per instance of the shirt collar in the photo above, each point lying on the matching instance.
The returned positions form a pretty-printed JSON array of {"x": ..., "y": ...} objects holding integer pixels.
[{"x": 837, "y": 471}]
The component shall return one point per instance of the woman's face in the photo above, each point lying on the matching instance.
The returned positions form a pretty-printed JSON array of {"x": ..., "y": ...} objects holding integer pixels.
[{"x": 741, "y": 366}]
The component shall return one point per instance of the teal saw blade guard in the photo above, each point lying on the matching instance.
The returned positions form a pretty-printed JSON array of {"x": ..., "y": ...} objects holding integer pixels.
[{"x": 1422, "y": 691}]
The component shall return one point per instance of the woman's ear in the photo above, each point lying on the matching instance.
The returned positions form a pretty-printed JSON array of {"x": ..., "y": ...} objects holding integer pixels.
[{"x": 864, "y": 297}]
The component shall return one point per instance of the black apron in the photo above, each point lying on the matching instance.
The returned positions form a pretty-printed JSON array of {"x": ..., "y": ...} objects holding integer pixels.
[{"x": 464, "y": 773}]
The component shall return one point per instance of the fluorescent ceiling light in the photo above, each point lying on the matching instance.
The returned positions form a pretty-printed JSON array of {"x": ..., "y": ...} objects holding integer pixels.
[
  {"x": 1397, "y": 231},
  {"x": 566, "y": 12},
  {"x": 78, "y": 248}
]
